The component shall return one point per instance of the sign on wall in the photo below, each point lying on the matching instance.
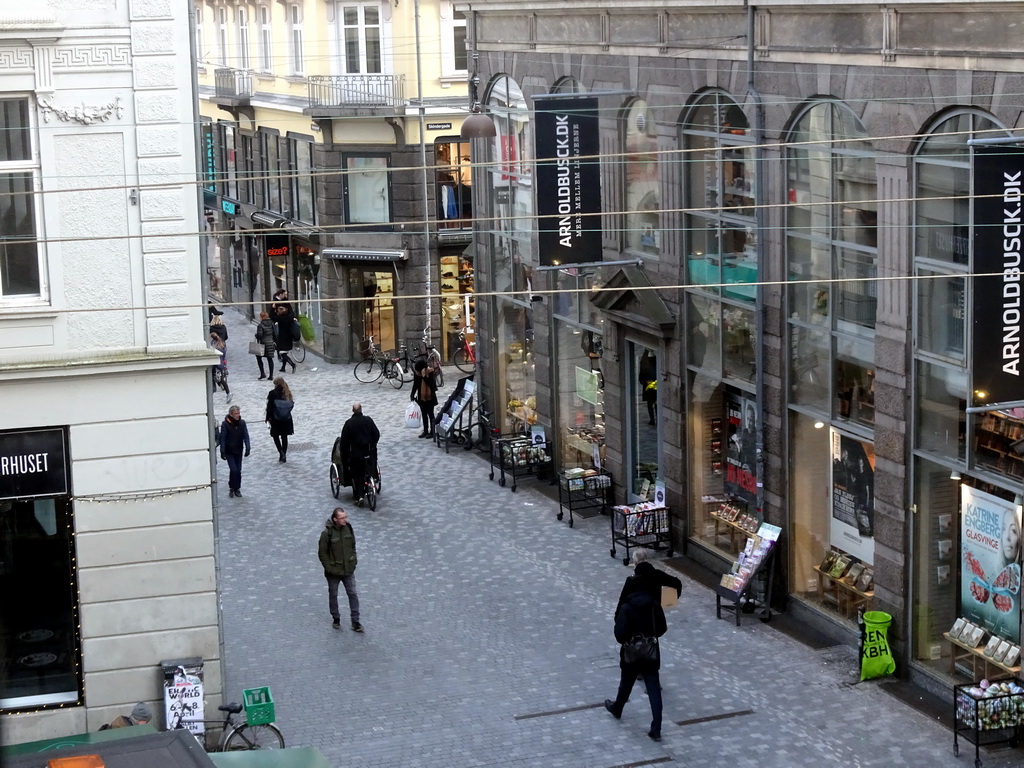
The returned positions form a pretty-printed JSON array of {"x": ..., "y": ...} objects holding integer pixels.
[
  {"x": 990, "y": 580},
  {"x": 33, "y": 463},
  {"x": 568, "y": 181},
  {"x": 997, "y": 349},
  {"x": 852, "y": 526}
]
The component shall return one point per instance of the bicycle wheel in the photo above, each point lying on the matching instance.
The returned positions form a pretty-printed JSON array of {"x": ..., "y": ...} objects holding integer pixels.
[
  {"x": 393, "y": 374},
  {"x": 407, "y": 371},
  {"x": 298, "y": 353},
  {"x": 370, "y": 494},
  {"x": 368, "y": 370},
  {"x": 438, "y": 376},
  {"x": 244, "y": 737},
  {"x": 335, "y": 480},
  {"x": 463, "y": 361}
]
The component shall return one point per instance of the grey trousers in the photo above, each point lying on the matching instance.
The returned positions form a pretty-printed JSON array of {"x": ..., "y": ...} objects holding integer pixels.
[{"x": 350, "y": 590}]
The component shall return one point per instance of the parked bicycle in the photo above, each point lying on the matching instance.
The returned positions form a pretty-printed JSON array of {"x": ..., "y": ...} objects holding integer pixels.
[
  {"x": 234, "y": 736},
  {"x": 464, "y": 356},
  {"x": 377, "y": 365},
  {"x": 434, "y": 361}
]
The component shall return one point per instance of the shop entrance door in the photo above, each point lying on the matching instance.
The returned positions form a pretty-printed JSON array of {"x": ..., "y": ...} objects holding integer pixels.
[
  {"x": 376, "y": 315},
  {"x": 643, "y": 424}
]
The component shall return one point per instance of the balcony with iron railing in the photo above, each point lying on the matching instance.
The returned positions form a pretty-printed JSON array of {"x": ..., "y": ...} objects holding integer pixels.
[
  {"x": 376, "y": 94},
  {"x": 232, "y": 87}
]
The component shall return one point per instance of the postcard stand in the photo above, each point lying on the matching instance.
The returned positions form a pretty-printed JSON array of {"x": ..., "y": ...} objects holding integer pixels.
[{"x": 753, "y": 595}]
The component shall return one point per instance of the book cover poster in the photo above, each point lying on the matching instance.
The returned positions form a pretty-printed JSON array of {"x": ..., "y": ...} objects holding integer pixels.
[
  {"x": 853, "y": 497},
  {"x": 741, "y": 449},
  {"x": 990, "y": 580}
]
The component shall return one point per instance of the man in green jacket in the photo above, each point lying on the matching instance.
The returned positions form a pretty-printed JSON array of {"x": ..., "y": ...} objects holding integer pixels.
[{"x": 337, "y": 552}]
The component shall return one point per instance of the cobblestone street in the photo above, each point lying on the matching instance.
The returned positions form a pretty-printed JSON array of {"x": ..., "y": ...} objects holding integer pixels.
[{"x": 488, "y": 622}]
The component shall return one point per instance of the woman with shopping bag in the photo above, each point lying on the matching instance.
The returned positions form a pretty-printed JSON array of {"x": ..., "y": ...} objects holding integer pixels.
[
  {"x": 413, "y": 419},
  {"x": 424, "y": 394}
]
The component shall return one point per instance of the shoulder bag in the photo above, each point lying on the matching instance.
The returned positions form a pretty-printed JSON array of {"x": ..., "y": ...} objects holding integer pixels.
[
  {"x": 255, "y": 348},
  {"x": 641, "y": 649}
]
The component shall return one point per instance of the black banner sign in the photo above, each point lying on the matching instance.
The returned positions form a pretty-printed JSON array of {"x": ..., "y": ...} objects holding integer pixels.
[
  {"x": 998, "y": 369},
  {"x": 33, "y": 463},
  {"x": 568, "y": 187},
  {"x": 277, "y": 246}
]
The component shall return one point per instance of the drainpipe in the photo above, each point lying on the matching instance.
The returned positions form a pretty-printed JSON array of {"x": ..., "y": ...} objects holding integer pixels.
[
  {"x": 759, "y": 227},
  {"x": 204, "y": 278},
  {"x": 425, "y": 191}
]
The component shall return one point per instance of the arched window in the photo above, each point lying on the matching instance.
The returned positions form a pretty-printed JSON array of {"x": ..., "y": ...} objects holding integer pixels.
[
  {"x": 643, "y": 180},
  {"x": 831, "y": 232}
]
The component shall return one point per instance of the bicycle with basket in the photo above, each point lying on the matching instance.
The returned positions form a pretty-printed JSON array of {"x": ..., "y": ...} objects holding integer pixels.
[{"x": 257, "y": 732}]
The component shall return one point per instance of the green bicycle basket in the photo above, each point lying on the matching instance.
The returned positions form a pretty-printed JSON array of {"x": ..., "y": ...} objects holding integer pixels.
[{"x": 259, "y": 705}]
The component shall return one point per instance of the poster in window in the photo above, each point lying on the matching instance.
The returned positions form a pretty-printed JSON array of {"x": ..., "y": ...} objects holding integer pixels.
[
  {"x": 852, "y": 528},
  {"x": 990, "y": 573},
  {"x": 741, "y": 449}
]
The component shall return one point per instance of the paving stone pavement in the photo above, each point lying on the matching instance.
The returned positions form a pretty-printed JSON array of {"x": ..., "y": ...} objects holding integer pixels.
[{"x": 484, "y": 614}]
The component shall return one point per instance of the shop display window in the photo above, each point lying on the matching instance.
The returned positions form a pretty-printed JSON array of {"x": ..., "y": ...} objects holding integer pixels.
[
  {"x": 941, "y": 394},
  {"x": 458, "y": 306},
  {"x": 739, "y": 333},
  {"x": 580, "y": 396},
  {"x": 643, "y": 179},
  {"x": 454, "y": 178},
  {"x": 705, "y": 347},
  {"x": 38, "y": 609},
  {"x": 854, "y": 381},
  {"x": 376, "y": 314},
  {"x": 516, "y": 366}
]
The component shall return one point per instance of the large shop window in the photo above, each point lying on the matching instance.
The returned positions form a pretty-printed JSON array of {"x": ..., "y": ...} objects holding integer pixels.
[
  {"x": 454, "y": 192},
  {"x": 272, "y": 175},
  {"x": 375, "y": 316},
  {"x": 832, "y": 498},
  {"x": 643, "y": 180},
  {"x": 20, "y": 252},
  {"x": 516, "y": 366},
  {"x": 579, "y": 351},
  {"x": 723, "y": 427},
  {"x": 832, "y": 236},
  {"x": 367, "y": 189},
  {"x": 967, "y": 554},
  {"x": 643, "y": 422}
]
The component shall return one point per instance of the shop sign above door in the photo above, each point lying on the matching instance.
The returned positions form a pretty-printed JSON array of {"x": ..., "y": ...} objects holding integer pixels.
[{"x": 33, "y": 463}]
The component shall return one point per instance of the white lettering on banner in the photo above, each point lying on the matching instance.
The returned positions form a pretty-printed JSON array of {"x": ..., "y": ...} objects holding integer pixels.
[
  {"x": 564, "y": 181},
  {"x": 1011, "y": 273},
  {"x": 24, "y": 464}
]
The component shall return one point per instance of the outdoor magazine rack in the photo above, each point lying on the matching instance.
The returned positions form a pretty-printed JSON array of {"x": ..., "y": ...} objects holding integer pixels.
[
  {"x": 747, "y": 587},
  {"x": 582, "y": 494},
  {"x": 519, "y": 456},
  {"x": 454, "y": 422},
  {"x": 641, "y": 525}
]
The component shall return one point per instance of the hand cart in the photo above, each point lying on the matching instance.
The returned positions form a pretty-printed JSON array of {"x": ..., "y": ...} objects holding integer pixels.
[
  {"x": 583, "y": 494},
  {"x": 986, "y": 720},
  {"x": 641, "y": 525},
  {"x": 518, "y": 456}
]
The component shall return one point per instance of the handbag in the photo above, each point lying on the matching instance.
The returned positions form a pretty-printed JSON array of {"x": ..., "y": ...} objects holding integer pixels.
[
  {"x": 255, "y": 348},
  {"x": 413, "y": 417},
  {"x": 640, "y": 650}
]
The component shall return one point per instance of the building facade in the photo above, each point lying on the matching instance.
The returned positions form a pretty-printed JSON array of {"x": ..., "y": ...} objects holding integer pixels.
[
  {"x": 778, "y": 312},
  {"x": 335, "y": 168},
  {"x": 106, "y": 521}
]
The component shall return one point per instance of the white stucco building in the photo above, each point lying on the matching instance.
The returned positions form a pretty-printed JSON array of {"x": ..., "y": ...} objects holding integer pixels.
[{"x": 106, "y": 521}]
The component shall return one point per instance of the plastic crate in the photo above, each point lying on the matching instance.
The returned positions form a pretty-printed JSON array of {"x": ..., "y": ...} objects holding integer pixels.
[{"x": 259, "y": 705}]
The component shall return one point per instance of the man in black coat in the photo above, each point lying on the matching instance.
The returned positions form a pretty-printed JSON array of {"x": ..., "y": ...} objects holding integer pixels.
[
  {"x": 233, "y": 439},
  {"x": 359, "y": 439},
  {"x": 639, "y": 613}
]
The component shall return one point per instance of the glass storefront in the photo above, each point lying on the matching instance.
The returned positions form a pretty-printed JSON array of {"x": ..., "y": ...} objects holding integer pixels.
[
  {"x": 375, "y": 315},
  {"x": 644, "y": 449},
  {"x": 307, "y": 274},
  {"x": 516, "y": 369}
]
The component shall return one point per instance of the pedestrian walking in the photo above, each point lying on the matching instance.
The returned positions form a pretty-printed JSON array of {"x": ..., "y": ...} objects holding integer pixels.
[
  {"x": 424, "y": 394},
  {"x": 337, "y": 551},
  {"x": 639, "y": 615},
  {"x": 233, "y": 440},
  {"x": 279, "y": 416},
  {"x": 647, "y": 577},
  {"x": 359, "y": 439},
  {"x": 265, "y": 336},
  {"x": 284, "y": 335},
  {"x": 220, "y": 370}
]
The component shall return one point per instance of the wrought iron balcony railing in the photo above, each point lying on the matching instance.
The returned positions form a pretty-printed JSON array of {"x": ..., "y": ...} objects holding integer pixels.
[
  {"x": 232, "y": 83},
  {"x": 370, "y": 90}
]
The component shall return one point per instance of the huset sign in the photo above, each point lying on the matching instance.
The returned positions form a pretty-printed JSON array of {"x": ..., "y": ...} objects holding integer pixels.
[
  {"x": 998, "y": 346},
  {"x": 33, "y": 463},
  {"x": 568, "y": 181}
]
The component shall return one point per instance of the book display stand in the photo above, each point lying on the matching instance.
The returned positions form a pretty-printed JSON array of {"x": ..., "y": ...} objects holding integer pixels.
[
  {"x": 747, "y": 587},
  {"x": 454, "y": 424},
  {"x": 645, "y": 524},
  {"x": 583, "y": 494}
]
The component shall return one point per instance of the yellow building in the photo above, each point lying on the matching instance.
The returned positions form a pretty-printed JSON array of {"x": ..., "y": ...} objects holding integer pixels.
[{"x": 334, "y": 167}]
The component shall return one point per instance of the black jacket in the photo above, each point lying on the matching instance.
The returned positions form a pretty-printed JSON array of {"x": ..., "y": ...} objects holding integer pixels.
[
  {"x": 278, "y": 426},
  {"x": 233, "y": 437},
  {"x": 647, "y": 578},
  {"x": 423, "y": 374},
  {"x": 639, "y": 614},
  {"x": 284, "y": 337},
  {"x": 358, "y": 434}
]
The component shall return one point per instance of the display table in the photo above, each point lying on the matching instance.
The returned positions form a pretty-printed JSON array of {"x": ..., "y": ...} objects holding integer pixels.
[
  {"x": 847, "y": 598},
  {"x": 981, "y": 665},
  {"x": 736, "y": 535}
]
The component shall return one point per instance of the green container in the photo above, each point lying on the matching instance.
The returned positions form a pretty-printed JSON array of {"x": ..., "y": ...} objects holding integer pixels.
[
  {"x": 306, "y": 326},
  {"x": 259, "y": 705}
]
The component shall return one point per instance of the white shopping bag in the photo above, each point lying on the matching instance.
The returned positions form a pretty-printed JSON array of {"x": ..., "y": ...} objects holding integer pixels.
[{"x": 413, "y": 419}]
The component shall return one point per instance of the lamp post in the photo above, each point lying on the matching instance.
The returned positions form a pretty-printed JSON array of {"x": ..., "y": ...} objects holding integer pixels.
[{"x": 425, "y": 186}]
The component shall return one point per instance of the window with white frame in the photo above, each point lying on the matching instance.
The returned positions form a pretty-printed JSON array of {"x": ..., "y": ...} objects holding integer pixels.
[
  {"x": 20, "y": 251},
  {"x": 266, "y": 40},
  {"x": 222, "y": 36},
  {"x": 242, "y": 60},
  {"x": 361, "y": 43},
  {"x": 454, "y": 58},
  {"x": 296, "y": 66},
  {"x": 367, "y": 189},
  {"x": 200, "y": 51}
]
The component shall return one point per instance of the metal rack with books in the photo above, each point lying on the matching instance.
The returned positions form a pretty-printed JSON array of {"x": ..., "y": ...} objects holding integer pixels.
[
  {"x": 583, "y": 492},
  {"x": 747, "y": 586},
  {"x": 645, "y": 524}
]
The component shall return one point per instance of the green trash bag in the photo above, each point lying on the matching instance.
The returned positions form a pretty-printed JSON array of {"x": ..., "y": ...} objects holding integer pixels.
[
  {"x": 876, "y": 657},
  {"x": 306, "y": 327}
]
